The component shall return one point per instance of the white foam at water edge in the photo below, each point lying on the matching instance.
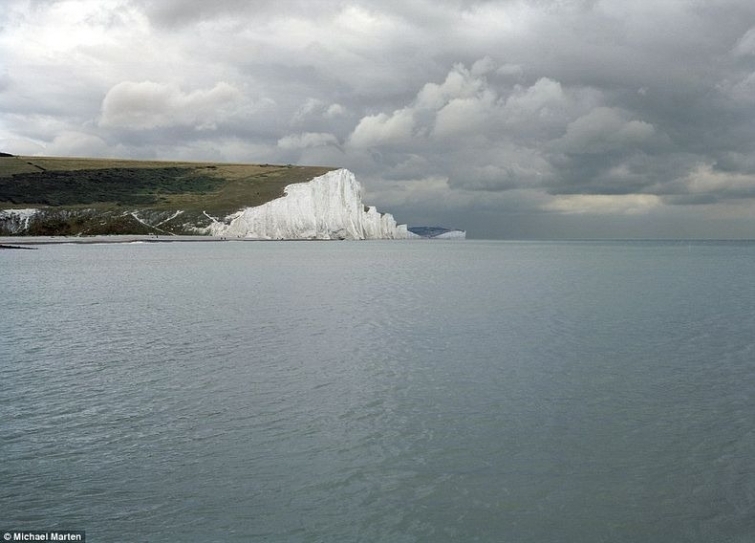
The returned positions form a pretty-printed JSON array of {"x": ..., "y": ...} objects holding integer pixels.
[{"x": 327, "y": 207}]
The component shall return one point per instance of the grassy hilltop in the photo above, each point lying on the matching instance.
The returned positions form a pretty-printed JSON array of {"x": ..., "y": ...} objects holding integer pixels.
[{"x": 84, "y": 196}]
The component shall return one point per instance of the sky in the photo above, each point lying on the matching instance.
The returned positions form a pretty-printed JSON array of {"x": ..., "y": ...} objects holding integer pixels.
[{"x": 529, "y": 119}]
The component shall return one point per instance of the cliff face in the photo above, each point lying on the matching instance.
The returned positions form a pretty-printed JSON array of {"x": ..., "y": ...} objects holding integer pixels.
[
  {"x": 327, "y": 207},
  {"x": 16, "y": 221}
]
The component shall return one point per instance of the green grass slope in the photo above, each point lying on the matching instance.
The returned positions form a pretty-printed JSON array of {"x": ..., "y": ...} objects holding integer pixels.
[{"x": 96, "y": 196}]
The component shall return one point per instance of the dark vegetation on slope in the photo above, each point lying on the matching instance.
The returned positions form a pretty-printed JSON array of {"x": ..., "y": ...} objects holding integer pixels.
[{"x": 122, "y": 186}]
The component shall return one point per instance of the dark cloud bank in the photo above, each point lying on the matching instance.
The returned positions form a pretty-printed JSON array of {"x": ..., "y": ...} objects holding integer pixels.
[{"x": 530, "y": 119}]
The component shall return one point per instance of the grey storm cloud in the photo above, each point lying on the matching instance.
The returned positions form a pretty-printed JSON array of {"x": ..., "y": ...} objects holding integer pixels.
[{"x": 510, "y": 118}]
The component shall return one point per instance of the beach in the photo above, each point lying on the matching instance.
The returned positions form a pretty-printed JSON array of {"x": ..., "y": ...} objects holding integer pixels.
[{"x": 46, "y": 240}]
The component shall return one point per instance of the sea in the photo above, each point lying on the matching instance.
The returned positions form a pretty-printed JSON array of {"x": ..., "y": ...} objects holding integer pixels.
[{"x": 380, "y": 391}]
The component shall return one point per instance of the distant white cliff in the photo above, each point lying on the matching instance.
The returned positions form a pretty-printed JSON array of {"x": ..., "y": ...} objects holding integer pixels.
[
  {"x": 435, "y": 232},
  {"x": 452, "y": 234},
  {"x": 327, "y": 207}
]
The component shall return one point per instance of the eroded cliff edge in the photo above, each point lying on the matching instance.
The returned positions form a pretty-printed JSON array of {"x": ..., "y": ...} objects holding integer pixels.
[{"x": 327, "y": 207}]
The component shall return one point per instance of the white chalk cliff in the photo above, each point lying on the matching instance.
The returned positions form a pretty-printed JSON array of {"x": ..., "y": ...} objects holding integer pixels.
[
  {"x": 327, "y": 207},
  {"x": 16, "y": 221}
]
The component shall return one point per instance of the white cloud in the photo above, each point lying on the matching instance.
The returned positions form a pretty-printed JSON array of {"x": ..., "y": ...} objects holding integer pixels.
[
  {"x": 459, "y": 83},
  {"x": 148, "y": 105},
  {"x": 77, "y": 33},
  {"x": 467, "y": 105},
  {"x": 509, "y": 168},
  {"x": 310, "y": 107},
  {"x": 604, "y": 129},
  {"x": 539, "y": 101},
  {"x": 383, "y": 129},
  {"x": 335, "y": 110},
  {"x": 603, "y": 204},
  {"x": 306, "y": 140},
  {"x": 466, "y": 116},
  {"x": 484, "y": 20},
  {"x": 315, "y": 108},
  {"x": 705, "y": 180}
]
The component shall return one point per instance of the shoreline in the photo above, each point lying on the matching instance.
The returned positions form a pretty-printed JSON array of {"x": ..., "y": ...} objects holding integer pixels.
[
  {"x": 19, "y": 242},
  {"x": 125, "y": 238}
]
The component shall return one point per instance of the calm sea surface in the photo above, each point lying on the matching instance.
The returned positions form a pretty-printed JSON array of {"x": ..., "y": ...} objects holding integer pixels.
[{"x": 380, "y": 391}]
